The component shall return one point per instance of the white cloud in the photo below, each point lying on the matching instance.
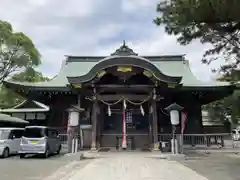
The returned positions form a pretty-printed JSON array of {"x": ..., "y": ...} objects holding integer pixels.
[
  {"x": 134, "y": 6},
  {"x": 60, "y": 27},
  {"x": 72, "y": 8}
]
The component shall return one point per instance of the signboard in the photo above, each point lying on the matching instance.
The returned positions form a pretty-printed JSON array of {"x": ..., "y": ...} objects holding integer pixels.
[{"x": 124, "y": 69}]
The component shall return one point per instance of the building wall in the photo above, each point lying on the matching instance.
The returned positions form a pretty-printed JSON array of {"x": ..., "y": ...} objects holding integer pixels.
[
  {"x": 194, "y": 122},
  {"x": 58, "y": 115}
]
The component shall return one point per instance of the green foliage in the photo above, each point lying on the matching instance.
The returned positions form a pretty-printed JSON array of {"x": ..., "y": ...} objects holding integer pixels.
[
  {"x": 29, "y": 75},
  {"x": 229, "y": 106},
  {"x": 215, "y": 22},
  {"x": 17, "y": 51},
  {"x": 8, "y": 98}
]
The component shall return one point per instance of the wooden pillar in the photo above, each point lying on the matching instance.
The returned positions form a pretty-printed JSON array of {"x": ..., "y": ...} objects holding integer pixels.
[
  {"x": 154, "y": 122},
  {"x": 99, "y": 126},
  {"x": 94, "y": 123},
  {"x": 150, "y": 127}
]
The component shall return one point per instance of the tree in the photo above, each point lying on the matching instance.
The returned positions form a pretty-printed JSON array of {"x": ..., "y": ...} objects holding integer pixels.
[
  {"x": 216, "y": 22},
  {"x": 29, "y": 75},
  {"x": 17, "y": 51},
  {"x": 8, "y": 98},
  {"x": 229, "y": 106}
]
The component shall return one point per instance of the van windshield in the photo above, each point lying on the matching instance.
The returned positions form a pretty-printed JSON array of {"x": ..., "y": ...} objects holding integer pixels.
[
  {"x": 34, "y": 132},
  {"x": 236, "y": 132},
  {"x": 4, "y": 134}
]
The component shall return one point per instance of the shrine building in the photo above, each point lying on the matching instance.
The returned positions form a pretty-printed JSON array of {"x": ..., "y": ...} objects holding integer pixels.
[{"x": 124, "y": 85}]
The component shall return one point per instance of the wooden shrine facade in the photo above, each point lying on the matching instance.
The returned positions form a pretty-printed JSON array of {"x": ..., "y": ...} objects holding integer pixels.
[{"x": 124, "y": 86}]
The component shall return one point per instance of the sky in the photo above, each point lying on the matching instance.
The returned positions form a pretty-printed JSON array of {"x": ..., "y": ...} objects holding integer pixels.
[{"x": 96, "y": 27}]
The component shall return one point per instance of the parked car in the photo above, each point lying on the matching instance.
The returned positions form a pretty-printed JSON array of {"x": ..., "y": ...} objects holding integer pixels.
[
  {"x": 10, "y": 139},
  {"x": 40, "y": 140},
  {"x": 236, "y": 134}
]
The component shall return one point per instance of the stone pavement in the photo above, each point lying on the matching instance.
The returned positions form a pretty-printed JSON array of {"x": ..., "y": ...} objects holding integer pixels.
[
  {"x": 130, "y": 166},
  {"x": 215, "y": 166},
  {"x": 31, "y": 168}
]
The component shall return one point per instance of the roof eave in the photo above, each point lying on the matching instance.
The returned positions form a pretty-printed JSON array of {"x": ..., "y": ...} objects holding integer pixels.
[
  {"x": 10, "y": 110},
  {"x": 34, "y": 87},
  {"x": 209, "y": 88}
]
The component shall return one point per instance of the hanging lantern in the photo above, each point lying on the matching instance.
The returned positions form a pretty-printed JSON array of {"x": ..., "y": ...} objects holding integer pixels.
[
  {"x": 142, "y": 110},
  {"x": 109, "y": 111}
]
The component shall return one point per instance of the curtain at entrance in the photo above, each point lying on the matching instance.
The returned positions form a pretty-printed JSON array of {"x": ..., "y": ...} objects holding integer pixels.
[{"x": 124, "y": 143}]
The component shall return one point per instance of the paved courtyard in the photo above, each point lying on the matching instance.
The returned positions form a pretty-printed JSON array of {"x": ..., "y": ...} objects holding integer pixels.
[
  {"x": 29, "y": 168},
  {"x": 123, "y": 166},
  {"x": 34, "y": 168},
  {"x": 216, "y": 166},
  {"x": 133, "y": 166}
]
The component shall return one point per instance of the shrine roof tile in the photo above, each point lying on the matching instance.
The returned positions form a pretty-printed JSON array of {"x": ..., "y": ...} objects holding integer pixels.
[{"x": 74, "y": 67}]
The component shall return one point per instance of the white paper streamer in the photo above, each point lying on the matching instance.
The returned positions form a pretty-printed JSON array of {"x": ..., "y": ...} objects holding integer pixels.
[
  {"x": 109, "y": 111},
  {"x": 124, "y": 104},
  {"x": 142, "y": 110}
]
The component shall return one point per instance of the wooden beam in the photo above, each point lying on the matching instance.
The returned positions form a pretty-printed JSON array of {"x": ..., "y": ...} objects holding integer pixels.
[
  {"x": 133, "y": 97},
  {"x": 124, "y": 86}
]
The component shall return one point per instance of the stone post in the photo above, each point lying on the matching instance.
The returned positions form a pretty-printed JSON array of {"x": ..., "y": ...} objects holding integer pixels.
[{"x": 73, "y": 123}]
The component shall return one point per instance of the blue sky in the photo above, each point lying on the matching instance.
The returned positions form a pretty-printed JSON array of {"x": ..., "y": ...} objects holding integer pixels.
[{"x": 96, "y": 27}]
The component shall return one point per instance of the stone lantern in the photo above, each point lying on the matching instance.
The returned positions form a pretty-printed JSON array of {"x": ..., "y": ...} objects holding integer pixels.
[
  {"x": 174, "y": 110},
  {"x": 73, "y": 124}
]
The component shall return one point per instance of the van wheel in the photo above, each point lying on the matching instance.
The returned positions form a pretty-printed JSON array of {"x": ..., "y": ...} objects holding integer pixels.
[
  {"x": 59, "y": 149},
  {"x": 5, "y": 153},
  {"x": 22, "y": 156},
  {"x": 46, "y": 154}
]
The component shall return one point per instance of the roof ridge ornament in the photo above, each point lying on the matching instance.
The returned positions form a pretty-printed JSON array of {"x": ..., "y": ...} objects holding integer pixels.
[{"x": 124, "y": 50}]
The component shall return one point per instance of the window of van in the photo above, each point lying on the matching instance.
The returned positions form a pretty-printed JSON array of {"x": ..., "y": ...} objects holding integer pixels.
[
  {"x": 4, "y": 134},
  {"x": 17, "y": 133},
  {"x": 235, "y": 131},
  {"x": 34, "y": 132},
  {"x": 52, "y": 133}
]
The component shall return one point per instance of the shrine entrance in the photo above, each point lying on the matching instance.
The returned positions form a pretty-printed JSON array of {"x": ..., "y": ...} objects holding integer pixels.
[
  {"x": 124, "y": 90},
  {"x": 125, "y": 128}
]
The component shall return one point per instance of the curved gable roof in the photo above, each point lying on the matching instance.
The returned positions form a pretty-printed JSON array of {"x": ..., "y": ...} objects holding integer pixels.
[{"x": 131, "y": 60}]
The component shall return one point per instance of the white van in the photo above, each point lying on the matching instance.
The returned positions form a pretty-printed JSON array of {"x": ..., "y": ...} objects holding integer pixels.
[
  {"x": 236, "y": 134},
  {"x": 41, "y": 140},
  {"x": 10, "y": 139}
]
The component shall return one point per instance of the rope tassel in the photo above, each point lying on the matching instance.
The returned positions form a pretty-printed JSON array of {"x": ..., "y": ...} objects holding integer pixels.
[
  {"x": 142, "y": 110},
  {"x": 109, "y": 111}
]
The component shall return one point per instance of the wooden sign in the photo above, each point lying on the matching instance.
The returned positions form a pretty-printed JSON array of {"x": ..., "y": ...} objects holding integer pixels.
[
  {"x": 101, "y": 74},
  {"x": 77, "y": 85},
  {"x": 147, "y": 73},
  {"x": 171, "y": 85},
  {"x": 124, "y": 69}
]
